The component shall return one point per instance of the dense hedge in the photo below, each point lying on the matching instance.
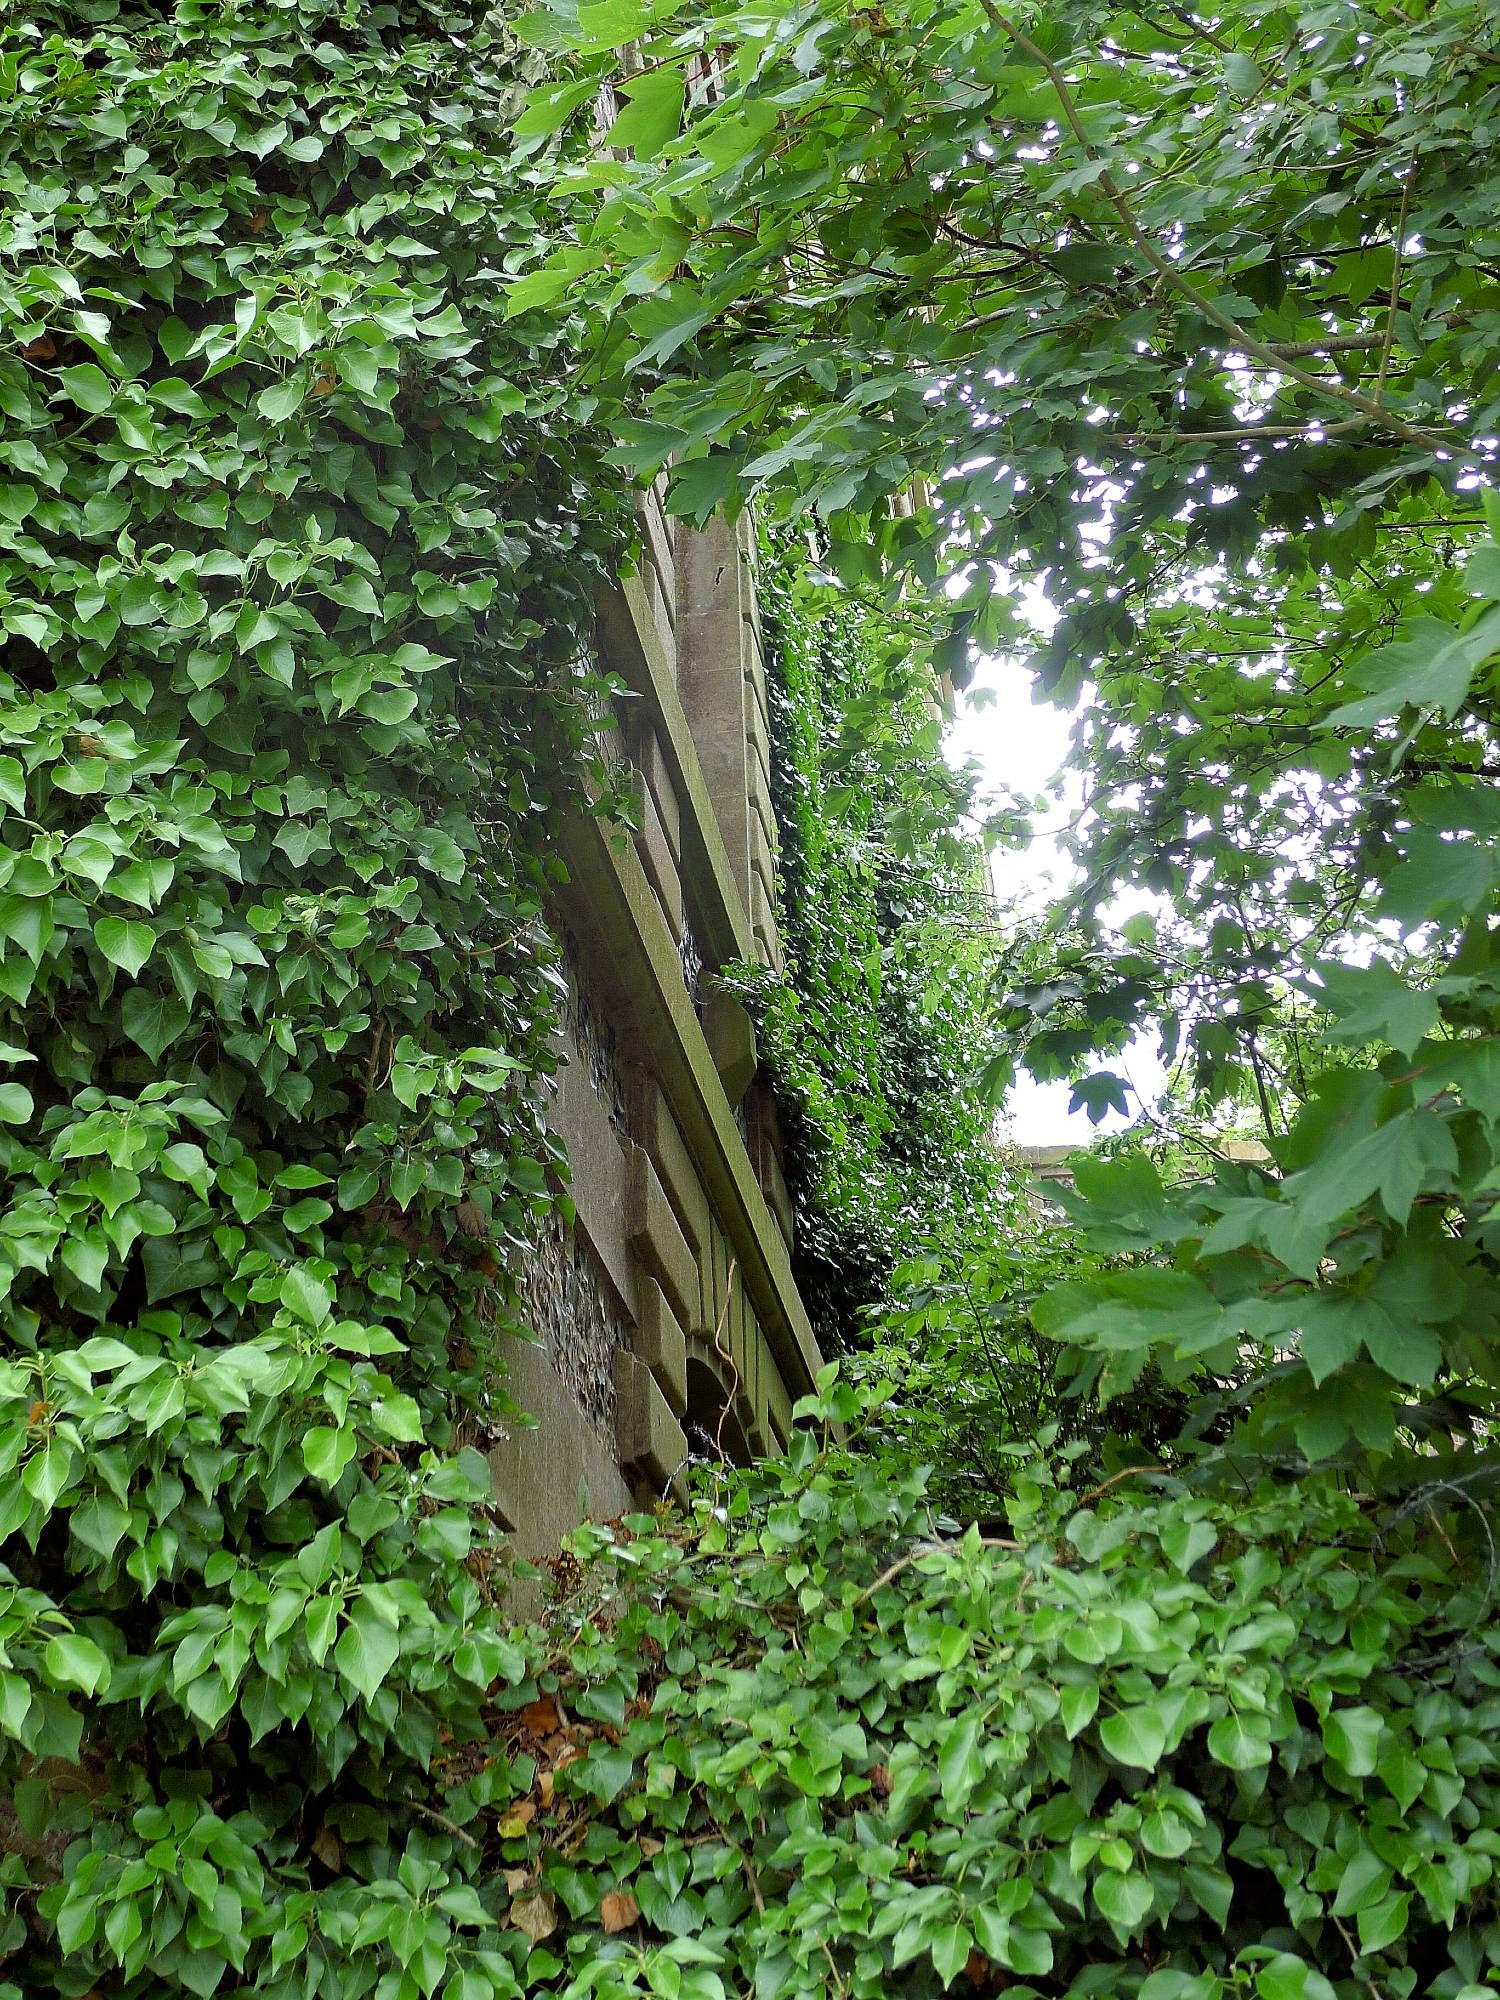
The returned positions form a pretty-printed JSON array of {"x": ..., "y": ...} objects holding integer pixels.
[{"x": 297, "y": 548}]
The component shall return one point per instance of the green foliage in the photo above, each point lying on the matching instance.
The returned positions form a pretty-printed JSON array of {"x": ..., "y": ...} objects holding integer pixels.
[
  {"x": 1187, "y": 320},
  {"x": 297, "y": 547},
  {"x": 872, "y": 1036},
  {"x": 972, "y": 1376},
  {"x": 1149, "y": 1744},
  {"x": 1350, "y": 1296}
]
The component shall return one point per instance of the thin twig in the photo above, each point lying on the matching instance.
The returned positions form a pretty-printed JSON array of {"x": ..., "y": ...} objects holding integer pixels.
[
  {"x": 1114, "y": 1479},
  {"x": 726, "y": 1353},
  {"x": 915, "y": 1554},
  {"x": 1398, "y": 271},
  {"x": 442, "y": 1820},
  {"x": 1355, "y": 1954},
  {"x": 1233, "y": 434}
]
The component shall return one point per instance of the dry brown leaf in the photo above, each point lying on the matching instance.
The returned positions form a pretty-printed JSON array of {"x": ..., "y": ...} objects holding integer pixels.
[
  {"x": 544, "y": 1786},
  {"x": 618, "y": 1911},
  {"x": 536, "y": 1915},
  {"x": 541, "y": 1717},
  {"x": 649, "y": 1848},
  {"x": 880, "y": 1780},
  {"x": 977, "y": 1971},
  {"x": 514, "y": 1822},
  {"x": 515, "y": 1879},
  {"x": 329, "y": 1849}
]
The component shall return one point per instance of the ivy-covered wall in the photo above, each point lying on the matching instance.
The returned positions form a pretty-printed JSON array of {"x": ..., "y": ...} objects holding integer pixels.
[
  {"x": 298, "y": 540},
  {"x": 874, "y": 1034}
]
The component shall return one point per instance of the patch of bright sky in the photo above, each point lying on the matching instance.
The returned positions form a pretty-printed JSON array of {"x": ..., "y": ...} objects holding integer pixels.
[{"x": 1019, "y": 744}]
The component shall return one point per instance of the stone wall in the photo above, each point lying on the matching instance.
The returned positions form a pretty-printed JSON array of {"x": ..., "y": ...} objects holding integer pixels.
[{"x": 668, "y": 1324}]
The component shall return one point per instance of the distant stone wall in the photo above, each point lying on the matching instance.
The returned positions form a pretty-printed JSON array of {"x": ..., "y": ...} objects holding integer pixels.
[{"x": 668, "y": 1323}]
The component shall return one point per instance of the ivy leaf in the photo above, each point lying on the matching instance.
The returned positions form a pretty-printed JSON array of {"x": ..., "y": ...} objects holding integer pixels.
[
  {"x": 125, "y": 944},
  {"x": 366, "y": 1651},
  {"x": 1125, "y": 1900},
  {"x": 550, "y": 105},
  {"x": 153, "y": 1020},
  {"x": 74, "y": 1661},
  {"x": 1242, "y": 1742},
  {"x": 16, "y": 1104},
  {"x": 306, "y": 1296},
  {"x": 89, "y": 387},
  {"x": 326, "y": 1453},
  {"x": 1135, "y": 1736},
  {"x": 1351, "y": 1736},
  {"x": 960, "y": 1762},
  {"x": 1288, "y": 1978},
  {"x": 283, "y": 399}
]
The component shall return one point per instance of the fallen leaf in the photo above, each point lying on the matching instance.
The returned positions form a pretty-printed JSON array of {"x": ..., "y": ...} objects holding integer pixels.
[
  {"x": 649, "y": 1848},
  {"x": 328, "y": 1848},
  {"x": 618, "y": 1911},
  {"x": 536, "y": 1915},
  {"x": 516, "y": 1879},
  {"x": 541, "y": 1717},
  {"x": 515, "y": 1822},
  {"x": 544, "y": 1786},
  {"x": 40, "y": 349},
  {"x": 977, "y": 1970},
  {"x": 880, "y": 1781}
]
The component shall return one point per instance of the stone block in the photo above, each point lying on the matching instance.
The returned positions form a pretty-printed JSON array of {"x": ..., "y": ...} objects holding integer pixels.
[
  {"x": 656, "y": 780},
  {"x": 656, "y": 1237},
  {"x": 762, "y": 854},
  {"x": 753, "y": 664},
  {"x": 661, "y": 1343},
  {"x": 710, "y": 567},
  {"x": 548, "y": 1478},
  {"x": 660, "y": 1136},
  {"x": 597, "y": 1169},
  {"x": 711, "y": 654},
  {"x": 757, "y": 733},
  {"x": 730, "y": 1035},
  {"x": 650, "y": 1439},
  {"x": 778, "y": 1195},
  {"x": 663, "y": 615},
  {"x": 656, "y": 532},
  {"x": 659, "y": 860}
]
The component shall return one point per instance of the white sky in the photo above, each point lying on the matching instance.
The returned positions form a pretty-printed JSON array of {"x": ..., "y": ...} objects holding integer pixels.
[{"x": 1020, "y": 743}]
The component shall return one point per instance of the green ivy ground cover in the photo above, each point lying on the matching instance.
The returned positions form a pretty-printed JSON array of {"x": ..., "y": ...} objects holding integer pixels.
[{"x": 1150, "y": 1743}]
